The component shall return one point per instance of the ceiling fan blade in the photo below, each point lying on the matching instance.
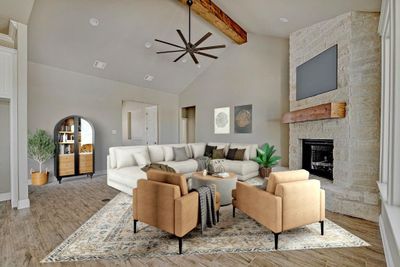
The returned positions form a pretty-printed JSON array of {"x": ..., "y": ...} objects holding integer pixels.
[
  {"x": 205, "y": 37},
  {"x": 181, "y": 56},
  {"x": 210, "y": 47},
  {"x": 182, "y": 37},
  {"x": 194, "y": 58},
  {"x": 206, "y": 55},
  {"x": 160, "y": 41},
  {"x": 172, "y": 51}
]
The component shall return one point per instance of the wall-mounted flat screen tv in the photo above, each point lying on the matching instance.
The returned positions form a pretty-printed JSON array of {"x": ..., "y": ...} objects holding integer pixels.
[{"x": 318, "y": 75}]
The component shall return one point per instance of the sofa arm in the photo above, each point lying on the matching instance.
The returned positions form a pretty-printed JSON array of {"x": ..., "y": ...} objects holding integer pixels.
[
  {"x": 262, "y": 206},
  {"x": 301, "y": 203},
  {"x": 186, "y": 213}
]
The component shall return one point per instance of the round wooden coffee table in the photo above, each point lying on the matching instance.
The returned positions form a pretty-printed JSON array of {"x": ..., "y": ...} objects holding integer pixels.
[{"x": 224, "y": 185}]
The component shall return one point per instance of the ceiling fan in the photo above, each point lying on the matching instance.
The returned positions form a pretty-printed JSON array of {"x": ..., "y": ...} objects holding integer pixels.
[{"x": 190, "y": 48}]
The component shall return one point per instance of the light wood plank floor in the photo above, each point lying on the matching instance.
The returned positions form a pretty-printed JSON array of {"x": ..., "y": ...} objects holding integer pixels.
[{"x": 27, "y": 236}]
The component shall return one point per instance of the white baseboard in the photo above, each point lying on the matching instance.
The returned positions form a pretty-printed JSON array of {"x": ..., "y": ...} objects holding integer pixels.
[
  {"x": 24, "y": 204},
  {"x": 5, "y": 196}
]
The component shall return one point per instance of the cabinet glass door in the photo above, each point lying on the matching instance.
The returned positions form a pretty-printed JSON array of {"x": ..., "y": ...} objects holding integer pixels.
[{"x": 86, "y": 147}]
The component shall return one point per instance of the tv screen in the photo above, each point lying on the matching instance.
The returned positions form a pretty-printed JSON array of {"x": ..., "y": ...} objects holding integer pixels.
[{"x": 318, "y": 75}]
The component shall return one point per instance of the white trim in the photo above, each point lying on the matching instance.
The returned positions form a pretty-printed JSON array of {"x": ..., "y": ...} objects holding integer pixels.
[
  {"x": 5, "y": 196},
  {"x": 386, "y": 247},
  {"x": 24, "y": 204}
]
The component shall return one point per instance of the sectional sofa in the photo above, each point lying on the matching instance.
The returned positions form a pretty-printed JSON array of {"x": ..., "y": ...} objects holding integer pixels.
[{"x": 123, "y": 171}]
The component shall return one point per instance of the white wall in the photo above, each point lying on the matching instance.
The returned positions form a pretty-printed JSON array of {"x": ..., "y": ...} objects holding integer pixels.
[
  {"x": 5, "y": 186},
  {"x": 54, "y": 93},
  {"x": 255, "y": 73}
]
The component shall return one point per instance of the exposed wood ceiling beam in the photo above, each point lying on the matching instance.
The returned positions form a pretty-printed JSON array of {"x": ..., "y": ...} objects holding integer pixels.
[{"x": 215, "y": 16}]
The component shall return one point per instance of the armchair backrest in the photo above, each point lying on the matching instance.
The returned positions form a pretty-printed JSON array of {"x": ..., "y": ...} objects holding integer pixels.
[
  {"x": 169, "y": 178},
  {"x": 303, "y": 202},
  {"x": 276, "y": 178}
]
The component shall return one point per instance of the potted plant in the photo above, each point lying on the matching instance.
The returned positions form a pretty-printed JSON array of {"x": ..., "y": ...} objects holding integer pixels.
[
  {"x": 40, "y": 148},
  {"x": 266, "y": 159}
]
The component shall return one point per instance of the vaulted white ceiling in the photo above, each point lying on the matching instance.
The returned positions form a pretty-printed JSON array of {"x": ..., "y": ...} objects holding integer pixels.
[
  {"x": 60, "y": 34},
  {"x": 18, "y": 10}
]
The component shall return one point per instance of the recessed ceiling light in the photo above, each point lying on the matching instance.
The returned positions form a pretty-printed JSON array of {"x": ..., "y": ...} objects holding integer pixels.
[
  {"x": 285, "y": 20},
  {"x": 149, "y": 78},
  {"x": 94, "y": 22},
  {"x": 199, "y": 65},
  {"x": 99, "y": 64},
  {"x": 148, "y": 45}
]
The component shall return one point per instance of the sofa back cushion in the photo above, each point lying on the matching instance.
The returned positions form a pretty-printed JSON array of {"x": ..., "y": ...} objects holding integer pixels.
[
  {"x": 156, "y": 153},
  {"x": 169, "y": 178},
  {"x": 124, "y": 154},
  {"x": 276, "y": 178},
  {"x": 197, "y": 149},
  {"x": 180, "y": 154}
]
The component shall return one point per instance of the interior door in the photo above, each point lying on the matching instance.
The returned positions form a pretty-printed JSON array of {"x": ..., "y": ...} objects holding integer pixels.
[{"x": 151, "y": 125}]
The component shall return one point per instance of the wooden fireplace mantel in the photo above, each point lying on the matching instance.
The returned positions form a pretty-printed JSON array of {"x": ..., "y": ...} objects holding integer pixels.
[{"x": 320, "y": 112}]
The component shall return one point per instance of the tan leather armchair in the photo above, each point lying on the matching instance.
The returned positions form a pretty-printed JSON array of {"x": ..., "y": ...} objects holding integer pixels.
[
  {"x": 290, "y": 200},
  {"x": 163, "y": 201}
]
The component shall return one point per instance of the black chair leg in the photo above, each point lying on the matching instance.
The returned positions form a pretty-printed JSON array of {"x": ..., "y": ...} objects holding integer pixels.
[
  {"x": 134, "y": 226},
  {"x": 180, "y": 244},
  {"x": 233, "y": 212},
  {"x": 276, "y": 236},
  {"x": 217, "y": 215},
  {"x": 322, "y": 227}
]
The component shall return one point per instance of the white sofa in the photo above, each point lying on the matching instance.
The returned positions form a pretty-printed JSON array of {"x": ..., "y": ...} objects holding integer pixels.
[{"x": 123, "y": 171}]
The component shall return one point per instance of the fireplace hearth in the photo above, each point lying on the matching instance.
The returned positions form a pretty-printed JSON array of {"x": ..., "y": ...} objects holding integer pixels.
[{"x": 318, "y": 157}]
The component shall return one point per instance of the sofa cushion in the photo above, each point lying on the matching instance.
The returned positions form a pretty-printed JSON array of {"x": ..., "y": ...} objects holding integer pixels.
[
  {"x": 168, "y": 153},
  {"x": 197, "y": 149},
  {"x": 240, "y": 167},
  {"x": 180, "y": 154},
  {"x": 169, "y": 178},
  {"x": 125, "y": 158},
  {"x": 251, "y": 150},
  {"x": 127, "y": 176},
  {"x": 142, "y": 158},
  {"x": 156, "y": 153},
  {"x": 225, "y": 146},
  {"x": 129, "y": 149},
  {"x": 218, "y": 154},
  {"x": 231, "y": 153},
  {"x": 240, "y": 154},
  {"x": 187, "y": 166},
  {"x": 276, "y": 178},
  {"x": 208, "y": 151}
]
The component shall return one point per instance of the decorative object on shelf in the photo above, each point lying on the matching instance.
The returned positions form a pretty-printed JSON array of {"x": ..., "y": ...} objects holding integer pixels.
[
  {"x": 74, "y": 137},
  {"x": 190, "y": 48},
  {"x": 266, "y": 159},
  {"x": 244, "y": 119},
  {"x": 40, "y": 149},
  {"x": 222, "y": 120}
]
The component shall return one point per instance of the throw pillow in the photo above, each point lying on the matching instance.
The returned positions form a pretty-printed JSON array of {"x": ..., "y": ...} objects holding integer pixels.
[
  {"x": 124, "y": 159},
  {"x": 141, "y": 159},
  {"x": 231, "y": 154},
  {"x": 218, "y": 154},
  {"x": 197, "y": 149},
  {"x": 168, "y": 153},
  {"x": 239, "y": 155},
  {"x": 180, "y": 154},
  {"x": 156, "y": 153},
  {"x": 158, "y": 166},
  {"x": 209, "y": 151}
]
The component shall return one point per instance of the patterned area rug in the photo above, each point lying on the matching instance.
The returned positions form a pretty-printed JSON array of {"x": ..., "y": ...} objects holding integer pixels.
[{"x": 109, "y": 235}]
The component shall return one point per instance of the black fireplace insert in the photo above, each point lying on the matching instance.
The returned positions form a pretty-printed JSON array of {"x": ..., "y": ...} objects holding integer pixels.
[{"x": 318, "y": 157}]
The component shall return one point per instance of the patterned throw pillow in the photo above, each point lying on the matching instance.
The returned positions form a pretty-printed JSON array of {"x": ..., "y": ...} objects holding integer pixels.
[
  {"x": 239, "y": 155},
  {"x": 231, "y": 154},
  {"x": 209, "y": 151},
  {"x": 218, "y": 154}
]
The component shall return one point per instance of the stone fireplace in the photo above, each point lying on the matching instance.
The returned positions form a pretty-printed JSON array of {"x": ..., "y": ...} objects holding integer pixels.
[{"x": 353, "y": 142}]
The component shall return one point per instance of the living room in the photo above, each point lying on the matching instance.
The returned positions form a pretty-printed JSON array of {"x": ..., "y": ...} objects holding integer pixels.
[{"x": 281, "y": 115}]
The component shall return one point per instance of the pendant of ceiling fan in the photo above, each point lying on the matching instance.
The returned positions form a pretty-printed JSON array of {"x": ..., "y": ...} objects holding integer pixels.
[{"x": 189, "y": 47}]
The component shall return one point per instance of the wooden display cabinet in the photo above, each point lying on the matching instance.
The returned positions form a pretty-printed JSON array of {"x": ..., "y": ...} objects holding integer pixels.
[{"x": 74, "y": 137}]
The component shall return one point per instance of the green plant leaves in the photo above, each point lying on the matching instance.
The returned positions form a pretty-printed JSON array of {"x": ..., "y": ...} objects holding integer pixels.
[
  {"x": 40, "y": 146},
  {"x": 265, "y": 156}
]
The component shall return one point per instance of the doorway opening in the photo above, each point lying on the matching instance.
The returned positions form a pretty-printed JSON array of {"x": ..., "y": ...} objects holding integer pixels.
[
  {"x": 188, "y": 125},
  {"x": 5, "y": 167},
  {"x": 139, "y": 123}
]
